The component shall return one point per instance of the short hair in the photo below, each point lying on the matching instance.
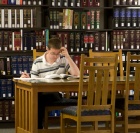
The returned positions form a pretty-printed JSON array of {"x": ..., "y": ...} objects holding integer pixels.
[{"x": 54, "y": 43}]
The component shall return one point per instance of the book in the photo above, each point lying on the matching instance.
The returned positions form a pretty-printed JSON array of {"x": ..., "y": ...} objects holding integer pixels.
[
  {"x": 59, "y": 76},
  {"x": 64, "y": 76}
]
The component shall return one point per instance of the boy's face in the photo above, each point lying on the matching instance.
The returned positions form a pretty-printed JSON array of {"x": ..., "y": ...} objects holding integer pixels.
[{"x": 53, "y": 54}]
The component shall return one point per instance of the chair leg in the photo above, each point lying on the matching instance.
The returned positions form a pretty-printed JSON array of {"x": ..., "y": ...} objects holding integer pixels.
[
  {"x": 126, "y": 124},
  {"x": 62, "y": 124},
  {"x": 46, "y": 123},
  {"x": 78, "y": 127}
]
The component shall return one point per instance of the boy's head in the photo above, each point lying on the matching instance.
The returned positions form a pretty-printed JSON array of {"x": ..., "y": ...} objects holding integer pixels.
[
  {"x": 54, "y": 43},
  {"x": 54, "y": 49}
]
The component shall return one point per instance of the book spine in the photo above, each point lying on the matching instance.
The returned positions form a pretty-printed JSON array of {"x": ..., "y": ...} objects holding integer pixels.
[
  {"x": 97, "y": 25},
  {"x": 5, "y": 17},
  {"x": 5, "y": 41},
  {"x": 126, "y": 39},
  {"x": 76, "y": 20},
  {"x": 77, "y": 42},
  {"x": 66, "y": 40},
  {"x": 59, "y": 3},
  {"x": 114, "y": 39},
  {"x": 118, "y": 39},
  {"x": 92, "y": 19},
  {"x": 89, "y": 3},
  {"x": 137, "y": 39},
  {"x": 84, "y": 3},
  {"x": 132, "y": 39},
  {"x": 72, "y": 3},
  {"x": 88, "y": 20},
  {"x": 86, "y": 37},
  {"x": 71, "y": 41},
  {"x": 91, "y": 41},
  {"x": 121, "y": 39},
  {"x": 116, "y": 2},
  {"x": 123, "y": 2},
  {"x": 78, "y": 3},
  {"x": 1, "y": 40},
  {"x": 83, "y": 20},
  {"x": 134, "y": 17},
  {"x": 129, "y": 2},
  {"x": 138, "y": 24},
  {"x": 135, "y": 2},
  {"x": 97, "y": 41},
  {"x": 128, "y": 17},
  {"x": 122, "y": 17},
  {"x": 103, "y": 41}
]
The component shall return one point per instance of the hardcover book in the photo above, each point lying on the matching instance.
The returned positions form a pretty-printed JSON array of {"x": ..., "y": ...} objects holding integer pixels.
[
  {"x": 134, "y": 17},
  {"x": 59, "y": 76},
  {"x": 76, "y": 20},
  {"x": 128, "y": 17},
  {"x": 122, "y": 17}
]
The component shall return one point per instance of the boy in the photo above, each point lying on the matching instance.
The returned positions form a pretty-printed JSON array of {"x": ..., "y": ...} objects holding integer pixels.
[{"x": 55, "y": 60}]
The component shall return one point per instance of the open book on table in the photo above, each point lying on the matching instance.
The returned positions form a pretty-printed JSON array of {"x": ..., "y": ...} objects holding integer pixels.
[{"x": 62, "y": 76}]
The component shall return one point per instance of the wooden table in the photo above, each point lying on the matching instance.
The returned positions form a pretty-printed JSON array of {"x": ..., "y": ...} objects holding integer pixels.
[{"x": 26, "y": 100}]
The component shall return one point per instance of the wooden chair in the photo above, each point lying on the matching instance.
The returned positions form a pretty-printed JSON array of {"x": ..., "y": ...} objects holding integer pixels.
[
  {"x": 120, "y": 72},
  {"x": 108, "y": 54},
  {"x": 97, "y": 108},
  {"x": 36, "y": 54},
  {"x": 130, "y": 108},
  {"x": 57, "y": 105}
]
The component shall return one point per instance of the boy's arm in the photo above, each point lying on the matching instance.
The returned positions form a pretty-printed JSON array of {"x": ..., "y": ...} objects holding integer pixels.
[{"x": 74, "y": 70}]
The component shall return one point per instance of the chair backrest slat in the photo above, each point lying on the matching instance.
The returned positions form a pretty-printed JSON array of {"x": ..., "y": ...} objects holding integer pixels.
[
  {"x": 36, "y": 54},
  {"x": 109, "y": 54},
  {"x": 98, "y": 83},
  {"x": 133, "y": 64}
]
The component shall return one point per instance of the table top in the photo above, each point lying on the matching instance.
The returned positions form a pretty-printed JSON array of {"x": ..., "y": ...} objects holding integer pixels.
[{"x": 43, "y": 81}]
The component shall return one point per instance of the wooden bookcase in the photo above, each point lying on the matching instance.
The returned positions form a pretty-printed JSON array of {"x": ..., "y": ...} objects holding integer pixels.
[
  {"x": 29, "y": 21},
  {"x": 100, "y": 34}
]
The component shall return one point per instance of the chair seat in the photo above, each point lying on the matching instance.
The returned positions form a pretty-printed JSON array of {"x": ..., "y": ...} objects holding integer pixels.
[
  {"x": 64, "y": 102},
  {"x": 72, "y": 110}
]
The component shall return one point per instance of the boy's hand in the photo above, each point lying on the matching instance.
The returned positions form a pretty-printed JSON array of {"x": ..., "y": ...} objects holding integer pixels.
[
  {"x": 64, "y": 52},
  {"x": 24, "y": 75}
]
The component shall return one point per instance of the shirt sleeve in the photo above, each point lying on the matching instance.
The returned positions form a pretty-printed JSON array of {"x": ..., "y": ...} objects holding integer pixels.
[{"x": 34, "y": 71}]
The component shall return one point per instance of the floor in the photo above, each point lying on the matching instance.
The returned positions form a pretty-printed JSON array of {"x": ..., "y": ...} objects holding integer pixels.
[{"x": 9, "y": 128}]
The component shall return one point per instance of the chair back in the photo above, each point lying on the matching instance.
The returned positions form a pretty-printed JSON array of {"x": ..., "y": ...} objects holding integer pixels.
[
  {"x": 108, "y": 54},
  {"x": 99, "y": 85},
  {"x": 36, "y": 54},
  {"x": 133, "y": 66}
]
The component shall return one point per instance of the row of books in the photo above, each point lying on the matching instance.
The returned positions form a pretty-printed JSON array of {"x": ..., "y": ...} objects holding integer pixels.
[
  {"x": 23, "y": 40},
  {"x": 21, "y": 2},
  {"x": 69, "y": 19},
  {"x": 14, "y": 65},
  {"x": 7, "y": 110},
  {"x": 126, "y": 39},
  {"x": 75, "y": 3},
  {"x": 6, "y": 88},
  {"x": 126, "y": 17},
  {"x": 18, "y": 18},
  {"x": 126, "y": 2},
  {"x": 79, "y": 41}
]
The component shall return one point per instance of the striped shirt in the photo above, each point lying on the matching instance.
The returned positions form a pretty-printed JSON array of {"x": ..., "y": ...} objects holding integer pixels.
[{"x": 41, "y": 67}]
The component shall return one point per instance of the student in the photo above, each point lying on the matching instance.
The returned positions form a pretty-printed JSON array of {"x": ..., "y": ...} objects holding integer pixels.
[{"x": 55, "y": 60}]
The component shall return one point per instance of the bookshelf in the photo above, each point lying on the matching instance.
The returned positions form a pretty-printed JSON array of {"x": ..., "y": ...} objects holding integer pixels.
[
  {"x": 22, "y": 27},
  {"x": 96, "y": 25},
  {"x": 87, "y": 24}
]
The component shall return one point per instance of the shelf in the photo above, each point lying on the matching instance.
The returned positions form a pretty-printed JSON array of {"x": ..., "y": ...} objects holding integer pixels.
[
  {"x": 23, "y": 6},
  {"x": 10, "y": 53},
  {"x": 7, "y": 98},
  {"x": 76, "y": 30},
  {"x": 119, "y": 6}
]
